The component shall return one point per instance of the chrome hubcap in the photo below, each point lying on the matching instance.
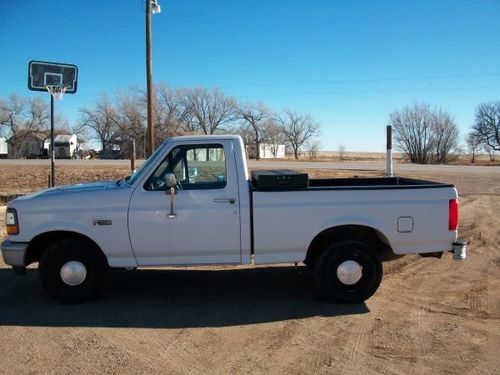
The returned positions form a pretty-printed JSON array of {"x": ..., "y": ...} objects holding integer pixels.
[
  {"x": 73, "y": 273},
  {"x": 349, "y": 272}
]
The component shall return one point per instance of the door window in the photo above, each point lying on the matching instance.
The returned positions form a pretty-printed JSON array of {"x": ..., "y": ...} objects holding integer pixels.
[{"x": 195, "y": 167}]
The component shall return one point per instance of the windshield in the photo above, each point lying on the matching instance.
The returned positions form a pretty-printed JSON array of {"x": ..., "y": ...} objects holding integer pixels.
[{"x": 145, "y": 166}]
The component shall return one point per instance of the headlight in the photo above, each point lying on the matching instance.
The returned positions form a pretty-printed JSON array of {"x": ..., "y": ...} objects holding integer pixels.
[{"x": 11, "y": 221}]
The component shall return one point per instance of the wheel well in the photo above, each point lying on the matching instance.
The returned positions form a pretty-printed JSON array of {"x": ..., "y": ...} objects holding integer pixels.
[
  {"x": 348, "y": 232},
  {"x": 39, "y": 244}
]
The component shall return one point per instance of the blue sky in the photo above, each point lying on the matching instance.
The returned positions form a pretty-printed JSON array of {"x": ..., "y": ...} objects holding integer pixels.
[{"x": 348, "y": 63}]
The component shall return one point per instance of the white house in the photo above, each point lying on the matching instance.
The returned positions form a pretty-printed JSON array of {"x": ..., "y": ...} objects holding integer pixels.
[
  {"x": 4, "y": 150},
  {"x": 266, "y": 151}
]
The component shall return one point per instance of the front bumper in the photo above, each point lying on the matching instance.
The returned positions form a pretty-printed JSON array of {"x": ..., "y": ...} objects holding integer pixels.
[{"x": 14, "y": 253}]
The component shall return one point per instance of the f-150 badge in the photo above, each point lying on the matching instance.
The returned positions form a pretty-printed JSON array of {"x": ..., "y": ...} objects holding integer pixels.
[{"x": 102, "y": 222}]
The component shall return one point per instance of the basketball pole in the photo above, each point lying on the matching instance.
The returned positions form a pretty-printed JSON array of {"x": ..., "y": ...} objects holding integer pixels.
[{"x": 52, "y": 151}]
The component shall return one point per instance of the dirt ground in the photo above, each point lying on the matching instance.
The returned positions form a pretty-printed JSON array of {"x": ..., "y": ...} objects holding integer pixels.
[{"x": 430, "y": 316}]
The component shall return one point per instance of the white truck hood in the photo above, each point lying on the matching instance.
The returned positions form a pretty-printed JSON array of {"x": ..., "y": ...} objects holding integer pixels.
[
  {"x": 71, "y": 208},
  {"x": 78, "y": 188}
]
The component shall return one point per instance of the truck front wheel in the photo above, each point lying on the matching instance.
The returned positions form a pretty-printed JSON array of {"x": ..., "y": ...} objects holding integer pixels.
[
  {"x": 348, "y": 271},
  {"x": 72, "y": 271}
]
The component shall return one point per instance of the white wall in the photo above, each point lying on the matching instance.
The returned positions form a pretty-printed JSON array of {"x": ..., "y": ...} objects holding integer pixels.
[
  {"x": 3, "y": 146},
  {"x": 267, "y": 151}
]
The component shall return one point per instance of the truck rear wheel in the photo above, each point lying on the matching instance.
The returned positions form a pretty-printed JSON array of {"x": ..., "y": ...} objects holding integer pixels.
[
  {"x": 72, "y": 271},
  {"x": 348, "y": 271}
]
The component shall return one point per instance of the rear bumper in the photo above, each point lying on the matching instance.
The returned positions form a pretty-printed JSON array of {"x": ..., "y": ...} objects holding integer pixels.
[{"x": 14, "y": 253}]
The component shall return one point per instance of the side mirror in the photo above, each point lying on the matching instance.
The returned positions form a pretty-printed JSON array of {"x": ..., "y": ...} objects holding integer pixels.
[{"x": 170, "y": 180}]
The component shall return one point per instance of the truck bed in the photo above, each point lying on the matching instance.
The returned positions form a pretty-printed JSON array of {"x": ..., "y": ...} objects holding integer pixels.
[{"x": 410, "y": 214}]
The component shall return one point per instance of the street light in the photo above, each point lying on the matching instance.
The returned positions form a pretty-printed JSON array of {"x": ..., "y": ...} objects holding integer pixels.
[
  {"x": 152, "y": 6},
  {"x": 155, "y": 7}
]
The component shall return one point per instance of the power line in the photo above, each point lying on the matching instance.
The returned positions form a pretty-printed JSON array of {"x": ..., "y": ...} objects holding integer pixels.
[
  {"x": 364, "y": 80},
  {"x": 377, "y": 91},
  {"x": 348, "y": 92}
]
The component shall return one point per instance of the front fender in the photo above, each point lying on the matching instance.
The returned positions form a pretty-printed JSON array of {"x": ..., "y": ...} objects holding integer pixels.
[{"x": 113, "y": 242}]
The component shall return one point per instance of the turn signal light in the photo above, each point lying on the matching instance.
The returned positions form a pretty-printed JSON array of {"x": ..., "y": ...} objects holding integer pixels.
[
  {"x": 453, "y": 215},
  {"x": 11, "y": 221}
]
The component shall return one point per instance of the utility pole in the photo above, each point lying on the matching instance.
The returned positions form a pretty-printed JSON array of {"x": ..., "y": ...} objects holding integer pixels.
[{"x": 149, "y": 81}]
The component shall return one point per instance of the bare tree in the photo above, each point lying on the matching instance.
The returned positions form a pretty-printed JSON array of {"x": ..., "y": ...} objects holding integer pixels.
[
  {"x": 445, "y": 137},
  {"x": 188, "y": 122},
  {"x": 38, "y": 115},
  {"x": 490, "y": 151},
  {"x": 245, "y": 132},
  {"x": 11, "y": 115},
  {"x": 21, "y": 118},
  {"x": 487, "y": 124},
  {"x": 102, "y": 120},
  {"x": 298, "y": 129},
  {"x": 131, "y": 122},
  {"x": 36, "y": 125},
  {"x": 313, "y": 148},
  {"x": 473, "y": 144},
  {"x": 425, "y": 135},
  {"x": 83, "y": 137},
  {"x": 413, "y": 131},
  {"x": 341, "y": 151},
  {"x": 172, "y": 115},
  {"x": 274, "y": 135},
  {"x": 61, "y": 124},
  {"x": 209, "y": 111},
  {"x": 255, "y": 116}
]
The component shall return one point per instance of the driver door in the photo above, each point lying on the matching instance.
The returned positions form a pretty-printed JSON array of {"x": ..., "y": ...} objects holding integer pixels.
[{"x": 206, "y": 226}]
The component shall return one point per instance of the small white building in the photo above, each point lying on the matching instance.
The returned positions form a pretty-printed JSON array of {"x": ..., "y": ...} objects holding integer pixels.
[
  {"x": 65, "y": 146},
  {"x": 4, "y": 149},
  {"x": 266, "y": 151}
]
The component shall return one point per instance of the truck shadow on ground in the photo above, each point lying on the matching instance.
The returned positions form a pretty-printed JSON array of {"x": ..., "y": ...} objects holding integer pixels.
[{"x": 176, "y": 298}]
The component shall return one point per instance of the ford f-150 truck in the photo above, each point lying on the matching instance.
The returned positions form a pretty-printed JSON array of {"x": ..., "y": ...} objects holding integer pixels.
[{"x": 193, "y": 203}]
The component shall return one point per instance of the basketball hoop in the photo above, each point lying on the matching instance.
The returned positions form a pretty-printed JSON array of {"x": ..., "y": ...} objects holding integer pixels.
[
  {"x": 57, "y": 79},
  {"x": 57, "y": 92}
]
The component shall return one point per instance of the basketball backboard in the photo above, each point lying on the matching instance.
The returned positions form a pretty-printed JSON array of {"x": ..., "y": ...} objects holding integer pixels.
[{"x": 42, "y": 74}]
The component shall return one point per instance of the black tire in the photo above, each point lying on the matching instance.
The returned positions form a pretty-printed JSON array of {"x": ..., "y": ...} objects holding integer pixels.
[
  {"x": 327, "y": 263},
  {"x": 60, "y": 253}
]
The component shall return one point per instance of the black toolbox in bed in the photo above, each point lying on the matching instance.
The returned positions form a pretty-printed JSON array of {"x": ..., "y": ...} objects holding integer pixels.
[{"x": 279, "y": 179}]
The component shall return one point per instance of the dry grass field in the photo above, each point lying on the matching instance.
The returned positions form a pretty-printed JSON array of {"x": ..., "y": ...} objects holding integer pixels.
[{"x": 432, "y": 316}]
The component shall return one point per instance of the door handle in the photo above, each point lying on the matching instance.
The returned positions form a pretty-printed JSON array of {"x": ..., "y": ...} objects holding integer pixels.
[{"x": 225, "y": 200}]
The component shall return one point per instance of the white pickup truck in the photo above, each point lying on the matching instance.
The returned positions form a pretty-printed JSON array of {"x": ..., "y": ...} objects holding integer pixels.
[{"x": 193, "y": 203}]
